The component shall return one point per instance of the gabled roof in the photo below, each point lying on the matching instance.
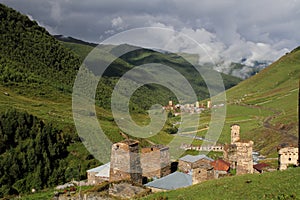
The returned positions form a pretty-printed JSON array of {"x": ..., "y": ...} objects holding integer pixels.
[
  {"x": 104, "y": 172},
  {"x": 100, "y": 168},
  {"x": 192, "y": 159},
  {"x": 172, "y": 181},
  {"x": 260, "y": 166},
  {"x": 220, "y": 165}
]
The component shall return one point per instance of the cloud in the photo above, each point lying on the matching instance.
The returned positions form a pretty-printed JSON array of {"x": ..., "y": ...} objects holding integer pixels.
[
  {"x": 116, "y": 22},
  {"x": 228, "y": 30},
  {"x": 55, "y": 11}
]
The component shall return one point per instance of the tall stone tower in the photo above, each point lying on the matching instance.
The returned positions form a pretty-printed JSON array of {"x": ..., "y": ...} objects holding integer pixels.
[
  {"x": 155, "y": 161},
  {"x": 239, "y": 153},
  {"x": 125, "y": 162},
  {"x": 235, "y": 133}
]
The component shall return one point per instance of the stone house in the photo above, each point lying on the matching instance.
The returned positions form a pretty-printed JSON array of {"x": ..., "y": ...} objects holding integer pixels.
[
  {"x": 98, "y": 174},
  {"x": 189, "y": 162},
  {"x": 202, "y": 173},
  {"x": 260, "y": 168},
  {"x": 179, "y": 180},
  {"x": 221, "y": 167},
  {"x": 171, "y": 182},
  {"x": 287, "y": 156}
]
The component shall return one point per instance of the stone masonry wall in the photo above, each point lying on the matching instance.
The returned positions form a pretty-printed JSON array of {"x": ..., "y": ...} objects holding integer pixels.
[
  {"x": 155, "y": 161},
  {"x": 287, "y": 156},
  {"x": 125, "y": 161}
]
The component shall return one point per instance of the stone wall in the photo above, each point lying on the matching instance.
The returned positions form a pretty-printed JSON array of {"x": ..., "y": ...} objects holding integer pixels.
[
  {"x": 244, "y": 158},
  {"x": 93, "y": 179},
  {"x": 216, "y": 148},
  {"x": 155, "y": 161},
  {"x": 287, "y": 156},
  {"x": 125, "y": 162},
  {"x": 185, "y": 166},
  {"x": 235, "y": 133},
  {"x": 239, "y": 155},
  {"x": 202, "y": 174}
]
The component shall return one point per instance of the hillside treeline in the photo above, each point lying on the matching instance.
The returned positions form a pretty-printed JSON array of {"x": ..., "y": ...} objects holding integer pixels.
[{"x": 32, "y": 153}]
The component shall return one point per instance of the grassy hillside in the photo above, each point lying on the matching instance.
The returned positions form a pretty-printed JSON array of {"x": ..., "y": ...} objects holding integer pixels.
[
  {"x": 149, "y": 94},
  {"x": 30, "y": 57},
  {"x": 272, "y": 185},
  {"x": 265, "y": 106},
  {"x": 272, "y": 95},
  {"x": 37, "y": 74}
]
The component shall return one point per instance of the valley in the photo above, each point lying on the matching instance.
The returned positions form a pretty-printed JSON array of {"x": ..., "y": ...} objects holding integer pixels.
[{"x": 37, "y": 73}]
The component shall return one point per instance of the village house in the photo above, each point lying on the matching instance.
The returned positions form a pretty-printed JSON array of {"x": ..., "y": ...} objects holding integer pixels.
[
  {"x": 202, "y": 173},
  {"x": 261, "y": 168},
  {"x": 287, "y": 156},
  {"x": 221, "y": 167},
  {"x": 189, "y": 162},
  {"x": 171, "y": 182},
  {"x": 98, "y": 174},
  {"x": 179, "y": 180}
]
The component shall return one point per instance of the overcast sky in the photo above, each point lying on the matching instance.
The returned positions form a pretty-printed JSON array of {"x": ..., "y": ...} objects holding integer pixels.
[{"x": 231, "y": 29}]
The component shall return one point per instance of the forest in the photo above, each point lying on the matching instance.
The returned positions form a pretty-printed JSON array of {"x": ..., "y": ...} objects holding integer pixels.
[{"x": 32, "y": 153}]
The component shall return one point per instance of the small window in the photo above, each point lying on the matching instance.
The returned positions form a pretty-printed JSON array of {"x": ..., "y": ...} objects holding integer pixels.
[
  {"x": 151, "y": 149},
  {"x": 290, "y": 159}
]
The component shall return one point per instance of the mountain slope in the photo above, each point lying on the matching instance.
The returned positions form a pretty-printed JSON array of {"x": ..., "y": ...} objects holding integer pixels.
[
  {"x": 150, "y": 94},
  {"x": 30, "y": 55},
  {"x": 265, "y": 105}
]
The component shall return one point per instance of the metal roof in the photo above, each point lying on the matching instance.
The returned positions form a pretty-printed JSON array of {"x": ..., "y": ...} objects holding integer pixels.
[
  {"x": 260, "y": 166},
  {"x": 190, "y": 158},
  {"x": 220, "y": 165},
  {"x": 172, "y": 181},
  {"x": 99, "y": 168}
]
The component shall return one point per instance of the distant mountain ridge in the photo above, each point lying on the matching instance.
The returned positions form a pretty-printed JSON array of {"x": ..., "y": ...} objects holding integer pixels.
[
  {"x": 73, "y": 40},
  {"x": 237, "y": 69}
]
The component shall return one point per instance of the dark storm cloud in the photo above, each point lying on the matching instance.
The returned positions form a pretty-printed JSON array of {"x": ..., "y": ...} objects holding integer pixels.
[{"x": 258, "y": 29}]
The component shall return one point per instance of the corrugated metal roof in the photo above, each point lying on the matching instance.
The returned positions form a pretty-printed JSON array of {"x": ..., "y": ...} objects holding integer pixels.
[
  {"x": 172, "y": 181},
  {"x": 190, "y": 158},
  {"x": 220, "y": 165},
  {"x": 260, "y": 166},
  {"x": 99, "y": 168}
]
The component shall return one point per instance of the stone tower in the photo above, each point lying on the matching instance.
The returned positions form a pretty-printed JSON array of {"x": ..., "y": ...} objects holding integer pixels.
[
  {"x": 125, "y": 162},
  {"x": 239, "y": 153},
  {"x": 235, "y": 133},
  {"x": 155, "y": 161}
]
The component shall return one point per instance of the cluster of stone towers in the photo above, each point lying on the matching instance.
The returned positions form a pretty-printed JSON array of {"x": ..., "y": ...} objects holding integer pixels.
[{"x": 129, "y": 163}]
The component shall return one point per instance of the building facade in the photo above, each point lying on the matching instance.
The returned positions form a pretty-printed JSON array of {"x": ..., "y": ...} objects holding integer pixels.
[
  {"x": 239, "y": 153},
  {"x": 287, "y": 156},
  {"x": 125, "y": 161},
  {"x": 155, "y": 161}
]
